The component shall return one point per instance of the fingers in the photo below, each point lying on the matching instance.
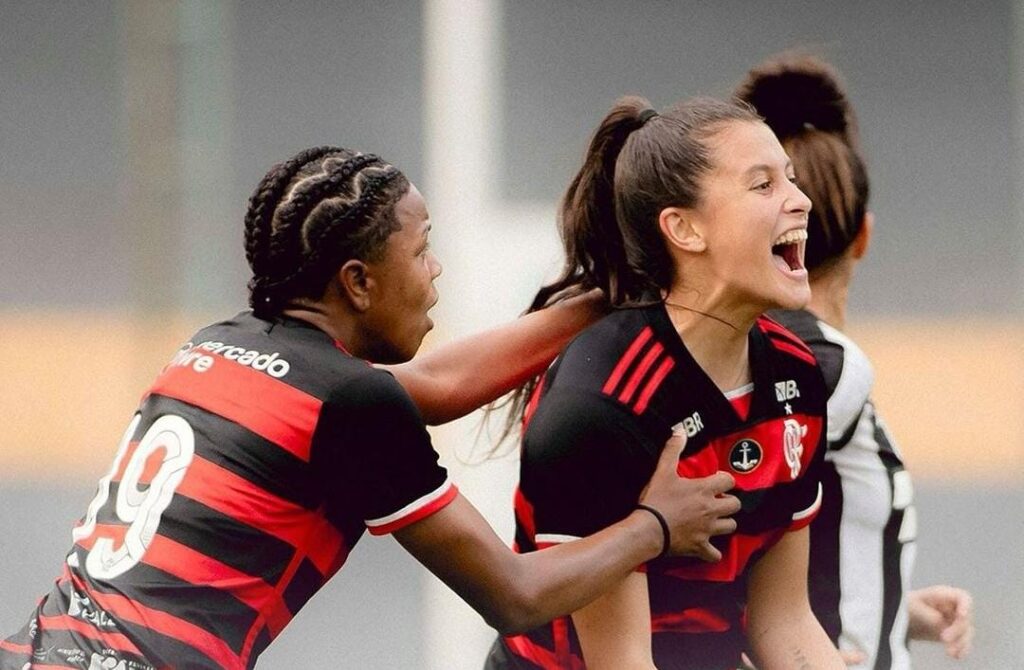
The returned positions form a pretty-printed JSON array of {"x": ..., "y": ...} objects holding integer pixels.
[
  {"x": 707, "y": 552},
  {"x": 720, "y": 482},
  {"x": 960, "y": 633},
  {"x": 852, "y": 656},
  {"x": 723, "y": 527}
]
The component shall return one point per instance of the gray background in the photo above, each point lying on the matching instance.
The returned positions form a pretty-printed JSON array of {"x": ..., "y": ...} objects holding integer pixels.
[{"x": 89, "y": 198}]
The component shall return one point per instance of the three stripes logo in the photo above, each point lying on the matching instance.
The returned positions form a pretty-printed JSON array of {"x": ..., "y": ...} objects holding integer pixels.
[{"x": 639, "y": 373}]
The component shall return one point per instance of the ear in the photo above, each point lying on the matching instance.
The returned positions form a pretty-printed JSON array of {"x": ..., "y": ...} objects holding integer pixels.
[
  {"x": 677, "y": 225},
  {"x": 862, "y": 241},
  {"x": 356, "y": 284}
]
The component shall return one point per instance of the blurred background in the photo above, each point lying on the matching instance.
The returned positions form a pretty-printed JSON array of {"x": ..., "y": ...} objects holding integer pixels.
[{"x": 132, "y": 133}]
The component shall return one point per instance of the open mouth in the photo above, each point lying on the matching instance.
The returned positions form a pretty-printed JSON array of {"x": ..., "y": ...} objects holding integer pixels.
[{"x": 788, "y": 250}]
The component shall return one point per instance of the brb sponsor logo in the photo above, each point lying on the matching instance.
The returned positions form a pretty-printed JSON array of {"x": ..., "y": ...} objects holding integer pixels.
[{"x": 199, "y": 359}]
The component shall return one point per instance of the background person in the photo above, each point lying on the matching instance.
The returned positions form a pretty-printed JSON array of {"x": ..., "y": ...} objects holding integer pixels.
[{"x": 862, "y": 542}]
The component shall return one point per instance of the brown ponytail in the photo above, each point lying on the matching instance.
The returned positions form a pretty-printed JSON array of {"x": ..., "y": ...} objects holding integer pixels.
[{"x": 638, "y": 163}]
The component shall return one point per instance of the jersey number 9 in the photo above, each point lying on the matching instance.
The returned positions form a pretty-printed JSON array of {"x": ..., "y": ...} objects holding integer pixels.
[{"x": 140, "y": 508}]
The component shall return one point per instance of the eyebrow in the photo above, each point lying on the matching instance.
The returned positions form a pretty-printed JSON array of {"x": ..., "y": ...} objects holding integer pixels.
[{"x": 764, "y": 167}]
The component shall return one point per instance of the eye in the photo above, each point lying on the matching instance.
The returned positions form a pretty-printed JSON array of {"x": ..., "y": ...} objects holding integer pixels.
[
  {"x": 762, "y": 186},
  {"x": 794, "y": 180}
]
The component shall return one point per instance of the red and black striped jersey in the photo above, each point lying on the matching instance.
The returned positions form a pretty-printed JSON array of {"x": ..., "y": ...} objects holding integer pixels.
[
  {"x": 252, "y": 467},
  {"x": 592, "y": 439}
]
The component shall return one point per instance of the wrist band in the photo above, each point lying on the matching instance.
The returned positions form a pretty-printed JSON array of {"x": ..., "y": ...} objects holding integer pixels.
[{"x": 666, "y": 541}]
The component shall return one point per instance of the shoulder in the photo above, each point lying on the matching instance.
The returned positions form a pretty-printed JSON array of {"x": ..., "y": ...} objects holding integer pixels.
[
  {"x": 785, "y": 342},
  {"x": 848, "y": 375}
]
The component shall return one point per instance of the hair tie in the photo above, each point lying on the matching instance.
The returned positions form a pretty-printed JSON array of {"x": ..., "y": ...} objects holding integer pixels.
[{"x": 644, "y": 116}]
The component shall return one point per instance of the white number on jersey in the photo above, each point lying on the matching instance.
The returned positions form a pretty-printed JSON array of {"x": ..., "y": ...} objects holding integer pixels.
[{"x": 140, "y": 509}]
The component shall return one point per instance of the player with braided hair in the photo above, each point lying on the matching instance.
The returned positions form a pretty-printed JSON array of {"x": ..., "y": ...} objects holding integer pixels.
[
  {"x": 269, "y": 444},
  {"x": 865, "y": 605}
]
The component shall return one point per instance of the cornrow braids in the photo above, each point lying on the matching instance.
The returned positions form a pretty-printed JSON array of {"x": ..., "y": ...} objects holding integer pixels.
[{"x": 310, "y": 215}]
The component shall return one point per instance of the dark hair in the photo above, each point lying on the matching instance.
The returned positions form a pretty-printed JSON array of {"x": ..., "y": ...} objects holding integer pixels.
[
  {"x": 803, "y": 101},
  {"x": 637, "y": 164},
  {"x": 311, "y": 214}
]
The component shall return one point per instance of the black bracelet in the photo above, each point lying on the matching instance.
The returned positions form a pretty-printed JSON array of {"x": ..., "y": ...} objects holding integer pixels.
[{"x": 666, "y": 541}]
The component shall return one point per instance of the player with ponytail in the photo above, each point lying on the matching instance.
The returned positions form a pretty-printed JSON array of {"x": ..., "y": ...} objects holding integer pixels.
[
  {"x": 865, "y": 604},
  {"x": 690, "y": 221},
  {"x": 269, "y": 445}
]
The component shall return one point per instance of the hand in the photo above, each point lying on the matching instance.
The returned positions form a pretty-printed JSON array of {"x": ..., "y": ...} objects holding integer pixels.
[
  {"x": 852, "y": 657},
  {"x": 942, "y": 614},
  {"x": 695, "y": 509}
]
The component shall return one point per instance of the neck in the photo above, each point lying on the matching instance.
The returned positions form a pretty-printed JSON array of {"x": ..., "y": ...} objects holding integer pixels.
[
  {"x": 830, "y": 290},
  {"x": 332, "y": 320},
  {"x": 716, "y": 338}
]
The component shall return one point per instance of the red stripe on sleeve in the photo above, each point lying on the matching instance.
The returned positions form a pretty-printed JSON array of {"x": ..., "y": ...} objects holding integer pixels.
[
  {"x": 232, "y": 495},
  {"x": 627, "y": 360},
  {"x": 524, "y": 513},
  {"x": 794, "y": 350},
  {"x": 15, "y": 648},
  {"x": 769, "y": 326},
  {"x": 638, "y": 374},
  {"x": 652, "y": 385},
  {"x": 111, "y": 639},
  {"x": 735, "y": 556},
  {"x": 422, "y": 512},
  {"x": 693, "y": 620},
  {"x": 270, "y": 408}
]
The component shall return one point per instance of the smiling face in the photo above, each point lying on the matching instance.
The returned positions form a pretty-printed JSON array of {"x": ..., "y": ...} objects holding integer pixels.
[
  {"x": 752, "y": 218},
  {"x": 402, "y": 285}
]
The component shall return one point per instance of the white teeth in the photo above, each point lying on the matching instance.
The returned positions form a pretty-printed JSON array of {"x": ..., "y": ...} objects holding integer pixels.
[{"x": 792, "y": 237}]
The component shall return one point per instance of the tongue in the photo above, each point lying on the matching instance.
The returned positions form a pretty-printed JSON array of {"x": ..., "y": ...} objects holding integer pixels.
[{"x": 781, "y": 263}]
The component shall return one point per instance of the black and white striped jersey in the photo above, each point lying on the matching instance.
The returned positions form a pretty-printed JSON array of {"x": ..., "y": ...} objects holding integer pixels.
[{"x": 862, "y": 542}]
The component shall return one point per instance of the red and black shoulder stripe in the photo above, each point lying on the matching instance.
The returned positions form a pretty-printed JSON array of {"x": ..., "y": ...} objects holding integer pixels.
[{"x": 785, "y": 340}]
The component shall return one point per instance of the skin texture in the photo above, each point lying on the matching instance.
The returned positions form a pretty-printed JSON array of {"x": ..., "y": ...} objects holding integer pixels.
[
  {"x": 378, "y": 311},
  {"x": 724, "y": 277}
]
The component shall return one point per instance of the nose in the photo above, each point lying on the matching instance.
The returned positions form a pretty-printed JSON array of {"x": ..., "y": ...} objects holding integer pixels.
[
  {"x": 435, "y": 267},
  {"x": 798, "y": 202}
]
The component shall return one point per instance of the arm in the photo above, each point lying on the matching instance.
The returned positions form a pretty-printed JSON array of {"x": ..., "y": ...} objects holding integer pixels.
[
  {"x": 615, "y": 629},
  {"x": 942, "y": 614},
  {"x": 782, "y": 631},
  {"x": 515, "y": 592},
  {"x": 456, "y": 378}
]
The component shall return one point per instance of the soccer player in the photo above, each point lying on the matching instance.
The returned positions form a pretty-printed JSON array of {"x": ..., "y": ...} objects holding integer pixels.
[
  {"x": 691, "y": 222},
  {"x": 269, "y": 444},
  {"x": 864, "y": 603}
]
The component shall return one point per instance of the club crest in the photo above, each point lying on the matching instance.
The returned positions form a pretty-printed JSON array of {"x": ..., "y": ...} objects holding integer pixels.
[
  {"x": 745, "y": 455},
  {"x": 792, "y": 445}
]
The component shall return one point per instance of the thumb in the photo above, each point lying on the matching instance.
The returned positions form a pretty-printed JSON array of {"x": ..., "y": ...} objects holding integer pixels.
[{"x": 672, "y": 451}]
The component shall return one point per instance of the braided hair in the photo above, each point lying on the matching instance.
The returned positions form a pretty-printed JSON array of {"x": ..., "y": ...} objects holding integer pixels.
[{"x": 311, "y": 214}]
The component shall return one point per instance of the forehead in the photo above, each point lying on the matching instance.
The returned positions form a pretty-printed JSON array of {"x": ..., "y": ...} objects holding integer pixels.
[
  {"x": 411, "y": 212},
  {"x": 738, "y": 146}
]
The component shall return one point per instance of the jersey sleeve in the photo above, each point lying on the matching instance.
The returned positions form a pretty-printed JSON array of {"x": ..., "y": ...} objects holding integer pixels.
[
  {"x": 584, "y": 465},
  {"x": 379, "y": 462}
]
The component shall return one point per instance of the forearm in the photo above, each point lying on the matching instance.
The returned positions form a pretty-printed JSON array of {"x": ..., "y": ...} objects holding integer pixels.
[
  {"x": 516, "y": 592},
  {"x": 566, "y": 577},
  {"x": 457, "y": 378},
  {"x": 792, "y": 644}
]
